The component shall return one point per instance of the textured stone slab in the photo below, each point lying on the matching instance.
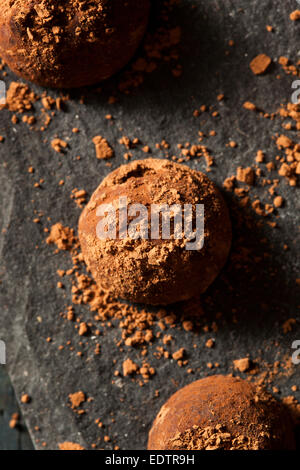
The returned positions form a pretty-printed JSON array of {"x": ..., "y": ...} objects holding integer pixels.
[{"x": 161, "y": 108}]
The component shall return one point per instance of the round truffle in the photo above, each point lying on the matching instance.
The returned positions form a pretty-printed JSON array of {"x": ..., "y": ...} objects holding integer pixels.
[
  {"x": 71, "y": 43},
  {"x": 222, "y": 412},
  {"x": 156, "y": 270}
]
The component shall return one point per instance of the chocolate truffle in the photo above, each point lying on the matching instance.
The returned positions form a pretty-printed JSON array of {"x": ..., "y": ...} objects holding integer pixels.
[
  {"x": 70, "y": 43},
  {"x": 156, "y": 271},
  {"x": 222, "y": 412}
]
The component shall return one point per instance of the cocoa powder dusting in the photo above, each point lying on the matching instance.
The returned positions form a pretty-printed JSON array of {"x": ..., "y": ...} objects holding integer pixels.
[{"x": 213, "y": 438}]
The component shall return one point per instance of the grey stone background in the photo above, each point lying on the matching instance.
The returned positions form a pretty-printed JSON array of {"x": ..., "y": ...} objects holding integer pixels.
[
  {"x": 159, "y": 109},
  {"x": 11, "y": 439}
]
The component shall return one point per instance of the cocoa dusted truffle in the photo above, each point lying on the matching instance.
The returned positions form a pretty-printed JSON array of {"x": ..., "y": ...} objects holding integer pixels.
[
  {"x": 222, "y": 412},
  {"x": 70, "y": 43},
  {"x": 156, "y": 270}
]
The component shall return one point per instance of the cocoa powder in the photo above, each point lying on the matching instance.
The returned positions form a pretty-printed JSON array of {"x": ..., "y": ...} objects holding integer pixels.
[
  {"x": 213, "y": 438},
  {"x": 67, "y": 445},
  {"x": 260, "y": 64},
  {"x": 103, "y": 149}
]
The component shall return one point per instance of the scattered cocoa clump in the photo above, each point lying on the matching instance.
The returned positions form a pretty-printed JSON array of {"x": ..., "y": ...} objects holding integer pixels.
[
  {"x": 25, "y": 398},
  {"x": 260, "y": 64},
  {"x": 245, "y": 175},
  {"x": 48, "y": 102},
  {"x": 288, "y": 67},
  {"x": 70, "y": 446},
  {"x": 177, "y": 355},
  {"x": 59, "y": 145},
  {"x": 284, "y": 142},
  {"x": 189, "y": 152},
  {"x": 14, "y": 421},
  {"x": 287, "y": 164},
  {"x": 295, "y": 15},
  {"x": 62, "y": 237},
  {"x": 250, "y": 106},
  {"x": 129, "y": 367},
  {"x": 278, "y": 201},
  {"x": 242, "y": 365},
  {"x": 147, "y": 371},
  {"x": 259, "y": 156},
  {"x": 77, "y": 399},
  {"x": 126, "y": 142},
  {"x": 83, "y": 329},
  {"x": 210, "y": 343},
  {"x": 79, "y": 196},
  {"x": 103, "y": 149},
  {"x": 232, "y": 144},
  {"x": 19, "y": 98},
  {"x": 229, "y": 182}
]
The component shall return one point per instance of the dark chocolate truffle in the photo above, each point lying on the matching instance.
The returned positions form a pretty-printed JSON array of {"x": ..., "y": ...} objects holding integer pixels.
[
  {"x": 156, "y": 271},
  {"x": 222, "y": 412},
  {"x": 70, "y": 43}
]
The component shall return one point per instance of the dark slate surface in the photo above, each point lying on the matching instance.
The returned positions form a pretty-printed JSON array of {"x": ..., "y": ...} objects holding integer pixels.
[
  {"x": 159, "y": 109},
  {"x": 18, "y": 437}
]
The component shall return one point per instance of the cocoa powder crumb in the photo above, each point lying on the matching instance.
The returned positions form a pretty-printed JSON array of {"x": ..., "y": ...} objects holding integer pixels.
[
  {"x": 177, "y": 355},
  {"x": 103, "y": 149},
  {"x": 242, "y": 365},
  {"x": 245, "y": 175},
  {"x": 77, "y": 399},
  {"x": 14, "y": 421},
  {"x": 79, "y": 196},
  {"x": 295, "y": 15},
  {"x": 260, "y": 64},
  {"x": 25, "y": 398},
  {"x": 62, "y": 237},
  {"x": 83, "y": 329},
  {"x": 259, "y": 156},
  {"x": 70, "y": 446},
  {"x": 250, "y": 106},
  {"x": 129, "y": 367},
  {"x": 59, "y": 145},
  {"x": 278, "y": 201},
  {"x": 284, "y": 142},
  {"x": 19, "y": 98}
]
